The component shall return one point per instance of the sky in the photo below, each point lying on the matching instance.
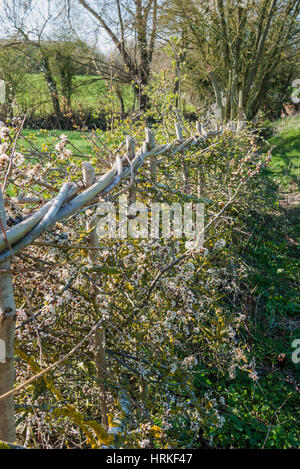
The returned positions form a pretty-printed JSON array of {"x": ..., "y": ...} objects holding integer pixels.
[{"x": 47, "y": 16}]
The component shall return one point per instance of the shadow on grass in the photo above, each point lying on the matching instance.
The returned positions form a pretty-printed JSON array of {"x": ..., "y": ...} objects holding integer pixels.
[{"x": 285, "y": 165}]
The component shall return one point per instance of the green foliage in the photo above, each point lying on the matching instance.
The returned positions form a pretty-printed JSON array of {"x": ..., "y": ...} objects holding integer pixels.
[
  {"x": 263, "y": 414},
  {"x": 257, "y": 416}
]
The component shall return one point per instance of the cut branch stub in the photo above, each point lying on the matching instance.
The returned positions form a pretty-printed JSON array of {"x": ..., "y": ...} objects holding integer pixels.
[
  {"x": 199, "y": 128},
  {"x": 144, "y": 147},
  {"x": 150, "y": 139},
  {"x": 130, "y": 147},
  {"x": 88, "y": 174},
  {"x": 178, "y": 130}
]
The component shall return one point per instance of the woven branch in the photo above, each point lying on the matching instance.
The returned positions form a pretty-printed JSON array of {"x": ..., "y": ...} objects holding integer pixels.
[{"x": 63, "y": 206}]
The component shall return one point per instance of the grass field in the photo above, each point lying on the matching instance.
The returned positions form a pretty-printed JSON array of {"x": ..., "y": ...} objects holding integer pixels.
[
  {"x": 89, "y": 91},
  {"x": 48, "y": 138}
]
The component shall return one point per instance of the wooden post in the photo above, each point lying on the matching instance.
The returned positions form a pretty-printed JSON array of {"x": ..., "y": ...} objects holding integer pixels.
[
  {"x": 199, "y": 128},
  {"x": 99, "y": 354},
  {"x": 130, "y": 147},
  {"x": 178, "y": 131},
  {"x": 7, "y": 333},
  {"x": 100, "y": 362},
  {"x": 240, "y": 111}
]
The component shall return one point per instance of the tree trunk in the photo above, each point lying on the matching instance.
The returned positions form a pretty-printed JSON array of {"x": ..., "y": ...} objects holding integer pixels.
[
  {"x": 100, "y": 362},
  {"x": 140, "y": 92},
  {"x": 217, "y": 91},
  {"x": 7, "y": 332},
  {"x": 45, "y": 67},
  {"x": 120, "y": 97}
]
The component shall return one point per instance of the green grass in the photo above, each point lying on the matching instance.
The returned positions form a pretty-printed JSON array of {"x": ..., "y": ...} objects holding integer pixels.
[
  {"x": 266, "y": 414},
  {"x": 285, "y": 165},
  {"x": 273, "y": 255},
  {"x": 46, "y": 139},
  {"x": 89, "y": 91}
]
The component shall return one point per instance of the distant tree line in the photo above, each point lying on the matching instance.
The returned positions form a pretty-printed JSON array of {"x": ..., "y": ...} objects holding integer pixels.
[{"x": 238, "y": 57}]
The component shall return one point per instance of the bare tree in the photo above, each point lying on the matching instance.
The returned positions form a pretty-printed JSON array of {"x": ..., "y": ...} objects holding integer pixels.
[
  {"x": 131, "y": 22},
  {"x": 238, "y": 46}
]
